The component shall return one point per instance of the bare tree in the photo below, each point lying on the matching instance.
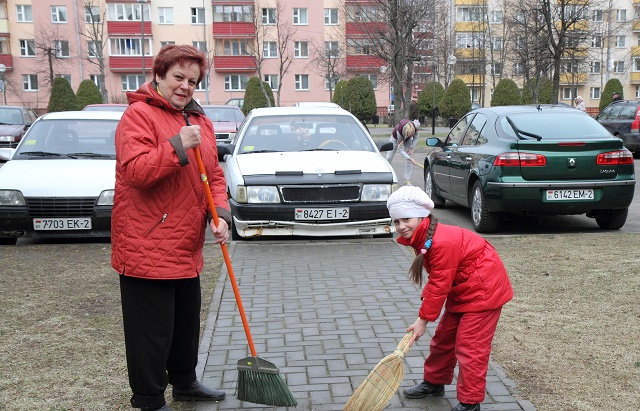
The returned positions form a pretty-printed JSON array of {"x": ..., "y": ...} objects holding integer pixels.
[
  {"x": 328, "y": 60},
  {"x": 284, "y": 34},
  {"x": 55, "y": 47},
  {"x": 94, "y": 33}
]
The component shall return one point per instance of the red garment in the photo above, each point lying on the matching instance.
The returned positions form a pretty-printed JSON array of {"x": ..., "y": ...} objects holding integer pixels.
[
  {"x": 397, "y": 131},
  {"x": 160, "y": 209},
  {"x": 463, "y": 268}
]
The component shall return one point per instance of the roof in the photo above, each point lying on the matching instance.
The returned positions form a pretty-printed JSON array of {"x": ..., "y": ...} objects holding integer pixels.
[
  {"x": 307, "y": 110},
  {"x": 82, "y": 115}
]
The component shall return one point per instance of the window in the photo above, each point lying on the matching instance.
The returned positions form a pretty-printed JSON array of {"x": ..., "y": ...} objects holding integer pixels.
[
  {"x": 65, "y": 76},
  {"x": 373, "y": 78},
  {"x": 518, "y": 69},
  {"x": 620, "y": 41},
  {"x": 96, "y": 80},
  {"x": 23, "y": 13},
  {"x": 28, "y": 48},
  {"x": 58, "y": 14},
  {"x": 496, "y": 17},
  {"x": 92, "y": 14},
  {"x": 128, "y": 47},
  {"x": 30, "y": 82},
  {"x": 126, "y": 12},
  {"x": 469, "y": 40},
  {"x": 131, "y": 82},
  {"x": 618, "y": 66},
  {"x": 164, "y": 43},
  {"x": 330, "y": 17},
  {"x": 596, "y": 15},
  {"x": 268, "y": 16},
  {"x": 469, "y": 14},
  {"x": 4, "y": 46},
  {"x": 235, "y": 82},
  {"x": 300, "y": 16},
  {"x": 568, "y": 93},
  {"x": 595, "y": 67},
  {"x": 300, "y": 49},
  {"x": 636, "y": 64},
  {"x": 272, "y": 80},
  {"x": 594, "y": 93},
  {"x": 496, "y": 68},
  {"x": 596, "y": 41},
  {"x": 621, "y": 15},
  {"x": 496, "y": 42},
  {"x": 197, "y": 15},
  {"x": 200, "y": 45},
  {"x": 232, "y": 14},
  {"x": 235, "y": 47},
  {"x": 331, "y": 49},
  {"x": 302, "y": 82},
  {"x": 61, "y": 48},
  {"x": 165, "y": 15},
  {"x": 269, "y": 49},
  {"x": 328, "y": 84},
  {"x": 362, "y": 13},
  {"x": 637, "y": 91},
  {"x": 202, "y": 85}
]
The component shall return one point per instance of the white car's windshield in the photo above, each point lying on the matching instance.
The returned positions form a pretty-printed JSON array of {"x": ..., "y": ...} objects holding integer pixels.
[{"x": 304, "y": 133}]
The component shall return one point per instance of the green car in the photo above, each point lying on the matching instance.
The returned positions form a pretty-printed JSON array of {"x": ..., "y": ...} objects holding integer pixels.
[{"x": 536, "y": 159}]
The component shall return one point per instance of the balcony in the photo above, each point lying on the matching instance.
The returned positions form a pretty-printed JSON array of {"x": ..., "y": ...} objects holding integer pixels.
[
  {"x": 635, "y": 51},
  {"x": 471, "y": 2},
  {"x": 127, "y": 28},
  {"x": 355, "y": 29},
  {"x": 470, "y": 27},
  {"x": 576, "y": 53},
  {"x": 573, "y": 78},
  {"x": 634, "y": 77},
  {"x": 469, "y": 53},
  {"x": 234, "y": 29},
  {"x": 635, "y": 25},
  {"x": 7, "y": 60},
  {"x": 582, "y": 25},
  {"x": 364, "y": 63},
  {"x": 234, "y": 64},
  {"x": 4, "y": 26},
  {"x": 471, "y": 79},
  {"x": 130, "y": 63}
]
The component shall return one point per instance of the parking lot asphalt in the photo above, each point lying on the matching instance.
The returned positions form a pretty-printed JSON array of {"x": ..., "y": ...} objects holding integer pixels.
[{"x": 325, "y": 312}]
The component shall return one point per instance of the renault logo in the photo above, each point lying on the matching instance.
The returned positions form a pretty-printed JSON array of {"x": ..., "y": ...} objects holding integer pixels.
[{"x": 572, "y": 162}]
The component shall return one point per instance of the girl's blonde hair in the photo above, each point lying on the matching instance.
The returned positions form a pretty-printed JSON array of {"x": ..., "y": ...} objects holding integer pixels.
[
  {"x": 417, "y": 268},
  {"x": 408, "y": 130}
]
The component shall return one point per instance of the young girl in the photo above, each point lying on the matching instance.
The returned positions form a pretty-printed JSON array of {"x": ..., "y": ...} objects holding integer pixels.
[
  {"x": 404, "y": 138},
  {"x": 464, "y": 270}
]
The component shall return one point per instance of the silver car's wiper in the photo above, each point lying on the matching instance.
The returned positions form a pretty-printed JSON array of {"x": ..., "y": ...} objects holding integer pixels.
[
  {"x": 39, "y": 153},
  {"x": 320, "y": 149},
  {"x": 94, "y": 155},
  {"x": 519, "y": 132}
]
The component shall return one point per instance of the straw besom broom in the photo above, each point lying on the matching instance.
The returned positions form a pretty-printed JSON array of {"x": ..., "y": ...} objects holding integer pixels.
[{"x": 382, "y": 383}]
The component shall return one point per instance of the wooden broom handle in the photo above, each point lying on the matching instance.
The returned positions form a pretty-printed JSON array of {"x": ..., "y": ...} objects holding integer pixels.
[{"x": 225, "y": 252}]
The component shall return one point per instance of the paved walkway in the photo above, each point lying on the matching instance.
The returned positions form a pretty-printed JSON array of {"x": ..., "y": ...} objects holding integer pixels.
[{"x": 325, "y": 312}]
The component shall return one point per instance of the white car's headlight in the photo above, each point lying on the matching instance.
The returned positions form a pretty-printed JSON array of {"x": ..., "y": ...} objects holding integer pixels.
[
  {"x": 375, "y": 192},
  {"x": 106, "y": 198},
  {"x": 11, "y": 198},
  {"x": 257, "y": 194},
  {"x": 8, "y": 139}
]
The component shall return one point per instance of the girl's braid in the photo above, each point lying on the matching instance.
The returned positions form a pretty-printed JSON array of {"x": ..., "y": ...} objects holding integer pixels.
[{"x": 416, "y": 269}]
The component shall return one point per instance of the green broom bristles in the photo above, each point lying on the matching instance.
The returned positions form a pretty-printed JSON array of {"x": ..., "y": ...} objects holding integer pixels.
[{"x": 259, "y": 382}]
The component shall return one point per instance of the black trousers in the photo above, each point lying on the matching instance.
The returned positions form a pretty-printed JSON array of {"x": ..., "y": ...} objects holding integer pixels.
[{"x": 161, "y": 334}]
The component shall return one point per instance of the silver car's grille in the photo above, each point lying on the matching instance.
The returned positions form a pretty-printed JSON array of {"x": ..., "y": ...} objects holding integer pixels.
[
  {"x": 61, "y": 207},
  {"x": 320, "y": 193}
]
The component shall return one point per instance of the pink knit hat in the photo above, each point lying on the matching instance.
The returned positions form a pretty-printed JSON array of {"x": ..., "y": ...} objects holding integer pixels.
[{"x": 409, "y": 202}]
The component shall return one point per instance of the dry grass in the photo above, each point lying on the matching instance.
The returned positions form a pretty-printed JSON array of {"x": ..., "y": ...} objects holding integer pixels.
[{"x": 570, "y": 338}]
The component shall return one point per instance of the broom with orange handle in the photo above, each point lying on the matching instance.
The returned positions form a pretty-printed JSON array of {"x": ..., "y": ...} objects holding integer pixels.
[{"x": 259, "y": 381}]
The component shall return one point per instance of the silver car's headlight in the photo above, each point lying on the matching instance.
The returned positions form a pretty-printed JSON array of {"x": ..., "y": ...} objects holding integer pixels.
[
  {"x": 11, "y": 198},
  {"x": 106, "y": 198},
  {"x": 375, "y": 192},
  {"x": 257, "y": 194}
]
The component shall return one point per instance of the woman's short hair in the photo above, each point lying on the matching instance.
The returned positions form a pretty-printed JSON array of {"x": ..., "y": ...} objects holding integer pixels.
[
  {"x": 180, "y": 54},
  {"x": 408, "y": 130}
]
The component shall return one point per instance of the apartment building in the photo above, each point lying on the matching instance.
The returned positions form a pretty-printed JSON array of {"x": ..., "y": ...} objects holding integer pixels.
[{"x": 300, "y": 47}]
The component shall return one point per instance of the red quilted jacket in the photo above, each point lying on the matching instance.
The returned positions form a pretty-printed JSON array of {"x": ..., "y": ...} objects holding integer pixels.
[
  {"x": 464, "y": 269},
  {"x": 160, "y": 210}
]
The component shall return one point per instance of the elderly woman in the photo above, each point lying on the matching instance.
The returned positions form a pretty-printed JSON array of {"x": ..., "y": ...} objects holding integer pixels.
[
  {"x": 404, "y": 137},
  {"x": 159, "y": 224},
  {"x": 580, "y": 104}
]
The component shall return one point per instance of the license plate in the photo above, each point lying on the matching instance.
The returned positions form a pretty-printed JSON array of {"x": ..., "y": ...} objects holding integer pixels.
[
  {"x": 62, "y": 224},
  {"x": 340, "y": 213},
  {"x": 577, "y": 194}
]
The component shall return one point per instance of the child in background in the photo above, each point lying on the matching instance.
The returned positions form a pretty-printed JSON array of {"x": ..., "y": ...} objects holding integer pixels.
[
  {"x": 404, "y": 138},
  {"x": 466, "y": 275}
]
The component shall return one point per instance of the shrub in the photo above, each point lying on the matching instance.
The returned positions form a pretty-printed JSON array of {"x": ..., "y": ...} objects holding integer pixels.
[
  {"x": 506, "y": 93},
  {"x": 545, "y": 92},
  {"x": 88, "y": 93},
  {"x": 340, "y": 93},
  {"x": 456, "y": 101},
  {"x": 361, "y": 98},
  {"x": 62, "y": 96},
  {"x": 607, "y": 94},
  {"x": 425, "y": 98},
  {"x": 254, "y": 96}
]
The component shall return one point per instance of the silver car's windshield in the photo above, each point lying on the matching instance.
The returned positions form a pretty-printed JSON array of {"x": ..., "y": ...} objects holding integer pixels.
[
  {"x": 70, "y": 138},
  {"x": 304, "y": 133}
]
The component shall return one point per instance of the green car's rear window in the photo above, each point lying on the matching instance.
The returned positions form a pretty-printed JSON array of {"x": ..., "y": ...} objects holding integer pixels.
[{"x": 552, "y": 126}]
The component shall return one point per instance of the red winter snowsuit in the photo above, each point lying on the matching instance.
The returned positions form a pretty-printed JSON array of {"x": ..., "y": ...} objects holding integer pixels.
[
  {"x": 160, "y": 209},
  {"x": 466, "y": 271}
]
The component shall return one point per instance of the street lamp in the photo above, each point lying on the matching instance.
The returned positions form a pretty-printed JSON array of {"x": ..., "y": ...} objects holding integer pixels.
[
  {"x": 144, "y": 69},
  {"x": 433, "y": 105},
  {"x": 451, "y": 61},
  {"x": 3, "y": 86}
]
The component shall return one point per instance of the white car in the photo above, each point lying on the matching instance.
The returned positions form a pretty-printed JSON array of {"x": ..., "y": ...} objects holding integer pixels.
[
  {"x": 59, "y": 181},
  {"x": 308, "y": 171}
]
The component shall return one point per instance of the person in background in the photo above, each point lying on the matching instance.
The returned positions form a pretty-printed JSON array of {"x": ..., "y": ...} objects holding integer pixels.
[
  {"x": 414, "y": 111},
  {"x": 616, "y": 96},
  {"x": 580, "y": 104},
  {"x": 404, "y": 138},
  {"x": 159, "y": 222},
  {"x": 467, "y": 277}
]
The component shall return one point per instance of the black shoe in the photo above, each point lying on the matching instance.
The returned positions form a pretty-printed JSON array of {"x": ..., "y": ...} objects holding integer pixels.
[
  {"x": 466, "y": 407},
  {"x": 423, "y": 389},
  {"x": 197, "y": 392}
]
